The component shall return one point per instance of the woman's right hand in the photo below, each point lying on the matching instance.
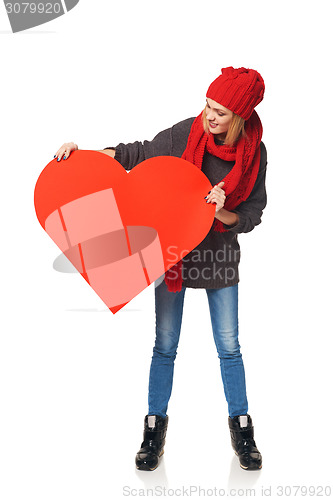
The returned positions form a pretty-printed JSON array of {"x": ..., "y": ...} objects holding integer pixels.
[{"x": 65, "y": 150}]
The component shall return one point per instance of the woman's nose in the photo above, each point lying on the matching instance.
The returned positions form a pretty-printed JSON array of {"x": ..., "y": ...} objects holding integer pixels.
[{"x": 209, "y": 115}]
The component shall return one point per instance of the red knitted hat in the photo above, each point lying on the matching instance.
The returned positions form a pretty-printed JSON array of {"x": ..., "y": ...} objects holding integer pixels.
[{"x": 238, "y": 89}]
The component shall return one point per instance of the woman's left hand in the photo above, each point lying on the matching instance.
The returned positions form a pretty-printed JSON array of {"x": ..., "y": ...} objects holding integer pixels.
[{"x": 216, "y": 195}]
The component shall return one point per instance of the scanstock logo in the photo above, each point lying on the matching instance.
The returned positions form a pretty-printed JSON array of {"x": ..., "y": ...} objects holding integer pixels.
[{"x": 25, "y": 15}]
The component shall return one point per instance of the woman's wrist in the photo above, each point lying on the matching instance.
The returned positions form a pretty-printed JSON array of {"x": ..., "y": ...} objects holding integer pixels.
[
  {"x": 227, "y": 217},
  {"x": 108, "y": 151}
]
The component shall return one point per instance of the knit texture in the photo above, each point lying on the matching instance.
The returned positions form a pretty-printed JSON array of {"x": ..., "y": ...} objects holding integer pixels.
[
  {"x": 239, "y": 90},
  {"x": 238, "y": 184},
  {"x": 214, "y": 263}
]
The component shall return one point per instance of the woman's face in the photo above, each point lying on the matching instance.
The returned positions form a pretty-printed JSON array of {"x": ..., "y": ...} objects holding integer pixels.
[{"x": 219, "y": 118}]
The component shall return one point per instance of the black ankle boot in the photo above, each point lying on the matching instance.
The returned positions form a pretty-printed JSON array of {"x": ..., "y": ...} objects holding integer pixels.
[
  {"x": 241, "y": 431},
  {"x": 152, "y": 446}
]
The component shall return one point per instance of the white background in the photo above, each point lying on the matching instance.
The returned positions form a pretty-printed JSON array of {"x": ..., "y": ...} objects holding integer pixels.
[{"x": 73, "y": 376}]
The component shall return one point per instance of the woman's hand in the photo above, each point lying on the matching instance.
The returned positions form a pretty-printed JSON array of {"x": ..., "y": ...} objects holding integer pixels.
[
  {"x": 216, "y": 195},
  {"x": 65, "y": 150}
]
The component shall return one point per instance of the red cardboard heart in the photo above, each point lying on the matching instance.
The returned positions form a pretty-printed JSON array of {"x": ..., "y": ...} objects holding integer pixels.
[{"x": 123, "y": 230}]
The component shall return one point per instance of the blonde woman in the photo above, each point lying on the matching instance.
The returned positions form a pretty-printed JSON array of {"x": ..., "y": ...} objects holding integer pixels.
[{"x": 224, "y": 141}]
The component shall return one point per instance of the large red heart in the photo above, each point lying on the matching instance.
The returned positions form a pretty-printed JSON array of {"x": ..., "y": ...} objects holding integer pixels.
[{"x": 123, "y": 230}]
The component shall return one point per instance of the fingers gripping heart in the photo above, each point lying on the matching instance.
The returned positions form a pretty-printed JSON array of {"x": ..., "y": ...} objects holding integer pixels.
[{"x": 217, "y": 196}]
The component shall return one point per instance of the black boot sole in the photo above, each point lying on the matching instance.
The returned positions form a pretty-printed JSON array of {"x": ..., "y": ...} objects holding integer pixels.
[{"x": 253, "y": 467}]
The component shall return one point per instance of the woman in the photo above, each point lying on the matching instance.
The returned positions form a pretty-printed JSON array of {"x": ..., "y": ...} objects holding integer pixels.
[{"x": 224, "y": 141}]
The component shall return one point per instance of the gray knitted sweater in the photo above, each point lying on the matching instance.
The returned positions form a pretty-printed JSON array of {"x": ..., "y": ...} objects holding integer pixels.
[{"x": 214, "y": 262}]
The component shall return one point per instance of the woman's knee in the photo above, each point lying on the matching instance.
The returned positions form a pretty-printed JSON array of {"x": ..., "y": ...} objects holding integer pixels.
[
  {"x": 162, "y": 353},
  {"x": 166, "y": 343},
  {"x": 227, "y": 344}
]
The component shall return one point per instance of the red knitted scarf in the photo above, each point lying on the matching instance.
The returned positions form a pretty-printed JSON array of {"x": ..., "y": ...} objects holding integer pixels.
[{"x": 238, "y": 183}]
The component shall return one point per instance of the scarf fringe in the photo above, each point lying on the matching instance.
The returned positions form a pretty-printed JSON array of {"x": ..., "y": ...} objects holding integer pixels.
[
  {"x": 218, "y": 226},
  {"x": 173, "y": 277}
]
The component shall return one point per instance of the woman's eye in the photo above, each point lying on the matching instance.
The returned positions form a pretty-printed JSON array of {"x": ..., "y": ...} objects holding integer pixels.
[{"x": 221, "y": 114}]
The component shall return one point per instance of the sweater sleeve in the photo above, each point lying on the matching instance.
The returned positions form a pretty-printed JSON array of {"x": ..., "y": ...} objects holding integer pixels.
[
  {"x": 129, "y": 155},
  {"x": 250, "y": 210},
  {"x": 169, "y": 142}
]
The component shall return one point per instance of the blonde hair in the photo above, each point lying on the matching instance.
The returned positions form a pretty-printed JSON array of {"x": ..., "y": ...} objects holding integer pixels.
[{"x": 235, "y": 131}]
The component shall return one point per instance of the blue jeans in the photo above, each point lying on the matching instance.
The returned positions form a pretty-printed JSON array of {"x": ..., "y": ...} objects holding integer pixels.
[{"x": 223, "y": 306}]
